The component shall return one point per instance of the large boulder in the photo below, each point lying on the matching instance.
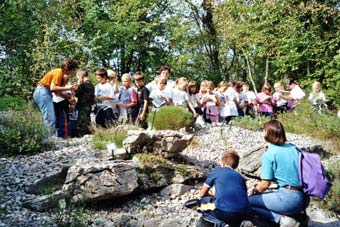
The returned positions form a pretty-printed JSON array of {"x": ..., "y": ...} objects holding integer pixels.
[
  {"x": 166, "y": 143},
  {"x": 95, "y": 180}
]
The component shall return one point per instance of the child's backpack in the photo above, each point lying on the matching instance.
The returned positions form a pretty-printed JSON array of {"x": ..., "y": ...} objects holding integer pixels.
[{"x": 313, "y": 177}]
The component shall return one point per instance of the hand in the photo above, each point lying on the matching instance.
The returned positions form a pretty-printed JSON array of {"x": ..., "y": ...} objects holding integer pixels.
[
  {"x": 141, "y": 117},
  {"x": 252, "y": 191}
]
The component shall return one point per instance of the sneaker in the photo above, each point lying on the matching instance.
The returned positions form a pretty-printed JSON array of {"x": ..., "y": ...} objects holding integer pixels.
[
  {"x": 247, "y": 223},
  {"x": 286, "y": 221}
]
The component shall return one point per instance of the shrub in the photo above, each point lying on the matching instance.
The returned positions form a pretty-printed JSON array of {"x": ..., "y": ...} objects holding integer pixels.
[
  {"x": 9, "y": 103},
  {"x": 321, "y": 126},
  {"x": 332, "y": 200},
  {"x": 170, "y": 118},
  {"x": 21, "y": 132},
  {"x": 102, "y": 137}
]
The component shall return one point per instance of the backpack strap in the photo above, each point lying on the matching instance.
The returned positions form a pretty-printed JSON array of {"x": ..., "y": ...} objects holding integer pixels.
[{"x": 300, "y": 157}]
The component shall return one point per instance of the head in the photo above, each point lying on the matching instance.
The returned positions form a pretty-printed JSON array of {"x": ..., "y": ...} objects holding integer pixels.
[
  {"x": 274, "y": 132},
  {"x": 230, "y": 158},
  {"x": 204, "y": 87},
  {"x": 126, "y": 80},
  {"x": 101, "y": 75},
  {"x": 316, "y": 87},
  {"x": 238, "y": 87},
  {"x": 267, "y": 88},
  {"x": 165, "y": 71},
  {"x": 81, "y": 75},
  {"x": 69, "y": 66},
  {"x": 112, "y": 76},
  {"x": 139, "y": 79},
  {"x": 210, "y": 86},
  {"x": 222, "y": 86},
  {"x": 278, "y": 86},
  {"x": 232, "y": 83},
  {"x": 291, "y": 84},
  {"x": 161, "y": 83},
  {"x": 245, "y": 87},
  {"x": 182, "y": 84},
  {"x": 192, "y": 87}
]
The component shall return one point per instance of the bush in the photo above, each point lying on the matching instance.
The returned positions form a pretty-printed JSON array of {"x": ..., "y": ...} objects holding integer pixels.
[
  {"x": 9, "y": 103},
  {"x": 21, "y": 132},
  {"x": 321, "y": 126},
  {"x": 332, "y": 200},
  {"x": 170, "y": 118},
  {"x": 250, "y": 123}
]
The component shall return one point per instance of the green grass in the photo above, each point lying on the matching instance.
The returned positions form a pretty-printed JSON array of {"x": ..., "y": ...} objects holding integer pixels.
[{"x": 103, "y": 136}]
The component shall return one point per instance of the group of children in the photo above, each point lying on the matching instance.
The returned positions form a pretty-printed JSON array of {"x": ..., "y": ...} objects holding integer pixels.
[{"x": 131, "y": 102}]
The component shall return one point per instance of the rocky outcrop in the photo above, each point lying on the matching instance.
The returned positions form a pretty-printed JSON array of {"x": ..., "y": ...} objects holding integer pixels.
[{"x": 165, "y": 143}]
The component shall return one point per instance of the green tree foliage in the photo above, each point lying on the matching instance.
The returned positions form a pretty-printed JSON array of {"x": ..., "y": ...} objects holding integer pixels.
[{"x": 215, "y": 40}]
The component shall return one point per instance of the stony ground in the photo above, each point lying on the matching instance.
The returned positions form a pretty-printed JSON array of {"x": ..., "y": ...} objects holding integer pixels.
[{"x": 152, "y": 209}]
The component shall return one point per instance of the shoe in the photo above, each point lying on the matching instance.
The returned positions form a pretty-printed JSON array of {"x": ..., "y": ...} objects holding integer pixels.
[
  {"x": 247, "y": 223},
  {"x": 286, "y": 221}
]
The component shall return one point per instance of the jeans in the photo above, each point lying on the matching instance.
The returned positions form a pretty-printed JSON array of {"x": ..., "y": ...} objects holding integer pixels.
[
  {"x": 43, "y": 98},
  {"x": 274, "y": 204},
  {"x": 220, "y": 218}
]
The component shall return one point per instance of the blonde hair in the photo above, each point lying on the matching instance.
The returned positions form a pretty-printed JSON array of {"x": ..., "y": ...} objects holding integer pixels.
[
  {"x": 316, "y": 84},
  {"x": 126, "y": 76},
  {"x": 182, "y": 83}
]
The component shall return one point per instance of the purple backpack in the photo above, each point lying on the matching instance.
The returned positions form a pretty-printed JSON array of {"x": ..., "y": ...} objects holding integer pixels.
[{"x": 312, "y": 175}]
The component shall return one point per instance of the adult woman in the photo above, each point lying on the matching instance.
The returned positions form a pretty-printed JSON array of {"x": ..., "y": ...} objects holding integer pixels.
[
  {"x": 279, "y": 164},
  {"x": 52, "y": 82}
]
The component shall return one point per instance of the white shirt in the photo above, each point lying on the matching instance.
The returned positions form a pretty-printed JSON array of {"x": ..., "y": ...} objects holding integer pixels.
[
  {"x": 105, "y": 89},
  {"x": 179, "y": 98}
]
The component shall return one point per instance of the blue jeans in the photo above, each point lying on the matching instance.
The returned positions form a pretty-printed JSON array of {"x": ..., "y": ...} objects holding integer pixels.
[
  {"x": 274, "y": 204},
  {"x": 220, "y": 218},
  {"x": 43, "y": 98}
]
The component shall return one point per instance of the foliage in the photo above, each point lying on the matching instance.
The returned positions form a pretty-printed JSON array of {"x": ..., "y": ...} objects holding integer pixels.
[
  {"x": 250, "y": 123},
  {"x": 10, "y": 103},
  {"x": 332, "y": 200},
  {"x": 70, "y": 214},
  {"x": 321, "y": 126},
  {"x": 21, "y": 132},
  {"x": 152, "y": 160},
  {"x": 102, "y": 137},
  {"x": 170, "y": 118}
]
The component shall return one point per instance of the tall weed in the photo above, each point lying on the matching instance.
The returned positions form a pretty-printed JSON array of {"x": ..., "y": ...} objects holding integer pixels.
[{"x": 102, "y": 137}]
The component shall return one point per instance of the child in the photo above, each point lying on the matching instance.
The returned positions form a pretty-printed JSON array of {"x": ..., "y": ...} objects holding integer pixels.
[
  {"x": 180, "y": 95},
  {"x": 85, "y": 95},
  {"x": 316, "y": 96},
  {"x": 230, "y": 198},
  {"x": 73, "y": 120},
  {"x": 193, "y": 96},
  {"x": 280, "y": 103},
  {"x": 232, "y": 102},
  {"x": 249, "y": 110},
  {"x": 61, "y": 108},
  {"x": 211, "y": 102},
  {"x": 128, "y": 100},
  {"x": 143, "y": 99},
  {"x": 104, "y": 95},
  {"x": 295, "y": 96},
  {"x": 161, "y": 96},
  {"x": 222, "y": 87},
  {"x": 265, "y": 101}
]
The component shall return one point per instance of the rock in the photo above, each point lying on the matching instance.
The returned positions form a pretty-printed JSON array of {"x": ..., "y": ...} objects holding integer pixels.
[
  {"x": 102, "y": 222},
  {"x": 174, "y": 190},
  {"x": 94, "y": 180},
  {"x": 166, "y": 143},
  {"x": 44, "y": 202}
]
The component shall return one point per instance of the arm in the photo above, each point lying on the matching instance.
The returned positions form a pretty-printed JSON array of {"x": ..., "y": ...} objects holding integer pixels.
[
  {"x": 145, "y": 107},
  {"x": 205, "y": 191},
  {"x": 191, "y": 108}
]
